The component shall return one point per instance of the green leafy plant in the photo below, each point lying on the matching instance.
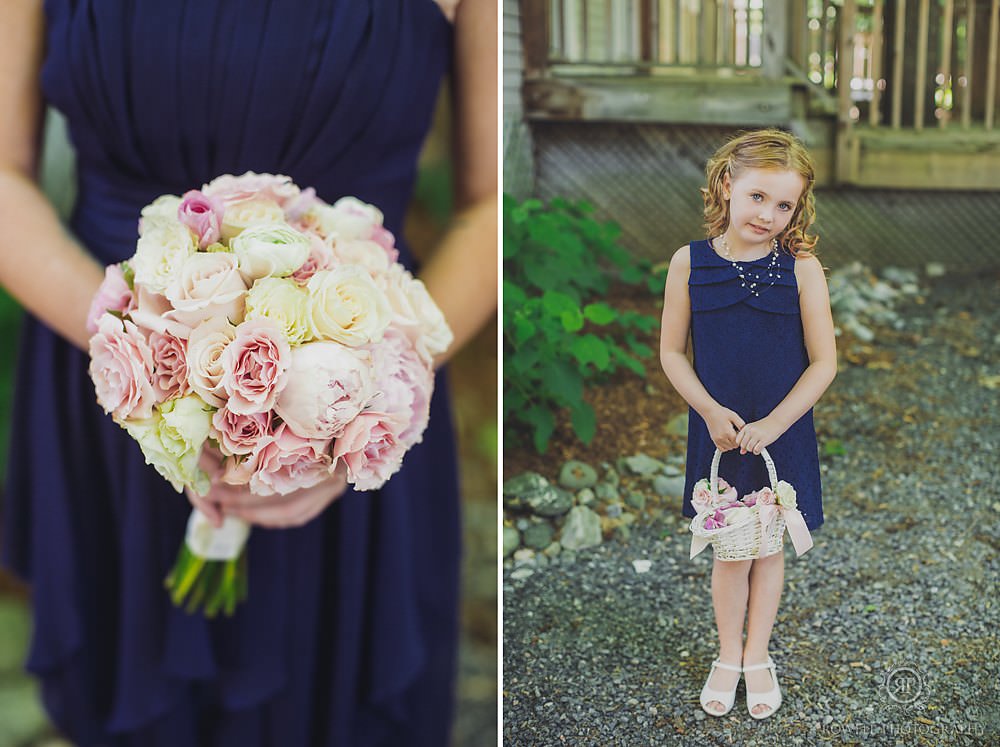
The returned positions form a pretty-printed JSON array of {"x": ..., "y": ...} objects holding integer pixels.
[{"x": 559, "y": 333}]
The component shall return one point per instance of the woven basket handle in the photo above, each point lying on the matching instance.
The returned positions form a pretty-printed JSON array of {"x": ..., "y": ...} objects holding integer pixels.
[{"x": 772, "y": 474}]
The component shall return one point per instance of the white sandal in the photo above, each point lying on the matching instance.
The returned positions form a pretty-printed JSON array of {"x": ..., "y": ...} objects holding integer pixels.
[
  {"x": 726, "y": 697},
  {"x": 771, "y": 698}
]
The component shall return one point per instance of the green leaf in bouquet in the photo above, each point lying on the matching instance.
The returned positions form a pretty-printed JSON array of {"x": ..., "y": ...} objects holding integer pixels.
[{"x": 129, "y": 274}]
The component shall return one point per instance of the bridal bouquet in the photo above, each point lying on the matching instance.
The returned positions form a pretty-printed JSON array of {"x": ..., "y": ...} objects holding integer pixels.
[{"x": 260, "y": 321}]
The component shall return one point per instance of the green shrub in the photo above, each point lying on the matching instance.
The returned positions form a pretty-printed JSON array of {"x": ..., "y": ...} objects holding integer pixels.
[{"x": 559, "y": 333}]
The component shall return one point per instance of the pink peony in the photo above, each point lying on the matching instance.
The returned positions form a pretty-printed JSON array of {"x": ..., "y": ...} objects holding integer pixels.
[
  {"x": 328, "y": 385},
  {"x": 254, "y": 366},
  {"x": 371, "y": 449},
  {"x": 282, "y": 463},
  {"x": 121, "y": 365},
  {"x": 113, "y": 295},
  {"x": 250, "y": 186},
  {"x": 170, "y": 369},
  {"x": 240, "y": 434},
  {"x": 203, "y": 215},
  {"x": 405, "y": 384}
]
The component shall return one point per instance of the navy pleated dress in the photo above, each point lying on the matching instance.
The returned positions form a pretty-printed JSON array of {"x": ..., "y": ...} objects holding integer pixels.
[
  {"x": 749, "y": 351},
  {"x": 348, "y": 637}
]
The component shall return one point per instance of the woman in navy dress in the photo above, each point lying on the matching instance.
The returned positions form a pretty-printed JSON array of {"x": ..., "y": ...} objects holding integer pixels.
[
  {"x": 349, "y": 633},
  {"x": 754, "y": 299}
]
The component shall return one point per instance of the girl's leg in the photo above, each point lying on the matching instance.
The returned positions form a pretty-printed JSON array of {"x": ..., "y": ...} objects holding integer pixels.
[
  {"x": 767, "y": 579},
  {"x": 729, "y": 598}
]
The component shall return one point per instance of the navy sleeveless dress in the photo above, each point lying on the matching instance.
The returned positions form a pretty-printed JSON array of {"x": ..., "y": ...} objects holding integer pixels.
[
  {"x": 349, "y": 634},
  {"x": 749, "y": 351}
]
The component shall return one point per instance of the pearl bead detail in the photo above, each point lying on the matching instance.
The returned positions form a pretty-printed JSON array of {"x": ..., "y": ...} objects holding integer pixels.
[{"x": 744, "y": 274}]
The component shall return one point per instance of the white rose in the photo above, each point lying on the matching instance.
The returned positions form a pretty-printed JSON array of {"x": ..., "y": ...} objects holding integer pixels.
[
  {"x": 241, "y": 215},
  {"x": 328, "y": 386},
  {"x": 347, "y": 306},
  {"x": 786, "y": 494},
  {"x": 286, "y": 304},
  {"x": 164, "y": 206},
  {"x": 361, "y": 252},
  {"x": 736, "y": 516},
  {"x": 347, "y": 219},
  {"x": 415, "y": 313},
  {"x": 205, "y": 347},
  {"x": 208, "y": 284},
  {"x": 172, "y": 438},
  {"x": 273, "y": 249},
  {"x": 160, "y": 252}
]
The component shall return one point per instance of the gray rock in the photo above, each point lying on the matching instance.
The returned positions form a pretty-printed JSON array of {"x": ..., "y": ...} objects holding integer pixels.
[
  {"x": 576, "y": 475},
  {"x": 538, "y": 536},
  {"x": 614, "y": 510},
  {"x": 511, "y": 540},
  {"x": 552, "y": 550},
  {"x": 643, "y": 465},
  {"x": 517, "y": 490},
  {"x": 611, "y": 475},
  {"x": 549, "y": 502},
  {"x": 582, "y": 529},
  {"x": 522, "y": 573},
  {"x": 524, "y": 555},
  {"x": 669, "y": 486},
  {"x": 606, "y": 492},
  {"x": 635, "y": 500},
  {"x": 523, "y": 523},
  {"x": 859, "y": 330},
  {"x": 935, "y": 270},
  {"x": 677, "y": 425},
  {"x": 673, "y": 470},
  {"x": 586, "y": 497}
]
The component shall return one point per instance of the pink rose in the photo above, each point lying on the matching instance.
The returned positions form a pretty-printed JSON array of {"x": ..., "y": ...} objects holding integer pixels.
[
  {"x": 113, "y": 295},
  {"x": 320, "y": 258},
  {"x": 371, "y": 449},
  {"x": 254, "y": 366},
  {"x": 405, "y": 384},
  {"x": 240, "y": 434},
  {"x": 297, "y": 206},
  {"x": 203, "y": 215},
  {"x": 170, "y": 369},
  {"x": 328, "y": 385},
  {"x": 149, "y": 311},
  {"x": 121, "y": 366},
  {"x": 766, "y": 496},
  {"x": 282, "y": 463}
]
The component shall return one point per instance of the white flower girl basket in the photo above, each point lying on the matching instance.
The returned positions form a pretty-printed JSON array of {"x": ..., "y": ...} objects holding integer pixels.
[{"x": 762, "y": 532}]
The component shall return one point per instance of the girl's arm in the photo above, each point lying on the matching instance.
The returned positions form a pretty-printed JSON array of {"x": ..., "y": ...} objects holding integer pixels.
[
  {"x": 674, "y": 328},
  {"x": 461, "y": 275},
  {"x": 40, "y": 265},
  {"x": 817, "y": 326}
]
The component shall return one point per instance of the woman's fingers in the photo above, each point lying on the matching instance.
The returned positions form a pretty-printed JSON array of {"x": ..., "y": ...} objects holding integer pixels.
[{"x": 207, "y": 507}]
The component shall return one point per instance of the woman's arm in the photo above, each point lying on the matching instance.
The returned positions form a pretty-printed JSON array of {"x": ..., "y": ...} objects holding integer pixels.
[
  {"x": 675, "y": 326},
  {"x": 461, "y": 275},
  {"x": 817, "y": 326},
  {"x": 41, "y": 266}
]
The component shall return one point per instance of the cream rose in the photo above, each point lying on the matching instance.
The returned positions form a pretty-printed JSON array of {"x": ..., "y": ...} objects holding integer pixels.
[
  {"x": 274, "y": 249},
  {"x": 415, "y": 313},
  {"x": 348, "y": 218},
  {"x": 164, "y": 206},
  {"x": 204, "y": 357},
  {"x": 171, "y": 441},
  {"x": 208, "y": 284},
  {"x": 786, "y": 495},
  {"x": 347, "y": 306},
  {"x": 361, "y": 252},
  {"x": 239, "y": 216},
  {"x": 283, "y": 302},
  {"x": 160, "y": 252}
]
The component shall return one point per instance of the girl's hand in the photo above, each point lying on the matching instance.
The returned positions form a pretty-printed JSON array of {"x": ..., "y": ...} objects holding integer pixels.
[
  {"x": 758, "y": 435},
  {"x": 723, "y": 424},
  {"x": 274, "y": 511}
]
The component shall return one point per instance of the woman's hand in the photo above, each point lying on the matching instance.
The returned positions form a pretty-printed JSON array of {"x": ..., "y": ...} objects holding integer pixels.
[
  {"x": 758, "y": 435},
  {"x": 723, "y": 424},
  {"x": 274, "y": 511}
]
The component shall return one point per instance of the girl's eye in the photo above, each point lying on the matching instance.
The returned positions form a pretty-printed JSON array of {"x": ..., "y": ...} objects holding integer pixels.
[
  {"x": 785, "y": 206},
  {"x": 757, "y": 196}
]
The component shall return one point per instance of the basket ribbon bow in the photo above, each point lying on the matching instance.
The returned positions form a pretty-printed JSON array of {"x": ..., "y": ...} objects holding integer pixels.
[
  {"x": 794, "y": 523},
  {"x": 697, "y": 544}
]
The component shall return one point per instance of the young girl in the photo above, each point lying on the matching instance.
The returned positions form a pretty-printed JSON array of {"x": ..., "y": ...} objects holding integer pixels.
[{"x": 755, "y": 301}]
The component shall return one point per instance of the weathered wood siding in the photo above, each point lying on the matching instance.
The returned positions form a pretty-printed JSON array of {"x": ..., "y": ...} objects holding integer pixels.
[{"x": 517, "y": 161}]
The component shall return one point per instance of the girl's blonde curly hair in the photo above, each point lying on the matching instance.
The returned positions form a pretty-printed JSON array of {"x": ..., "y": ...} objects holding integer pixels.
[{"x": 762, "y": 149}]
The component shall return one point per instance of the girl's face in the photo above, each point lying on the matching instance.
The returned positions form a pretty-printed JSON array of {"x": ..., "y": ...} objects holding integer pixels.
[{"x": 761, "y": 204}]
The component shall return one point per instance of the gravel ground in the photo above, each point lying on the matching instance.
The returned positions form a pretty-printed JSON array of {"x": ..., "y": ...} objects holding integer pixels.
[{"x": 887, "y": 631}]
